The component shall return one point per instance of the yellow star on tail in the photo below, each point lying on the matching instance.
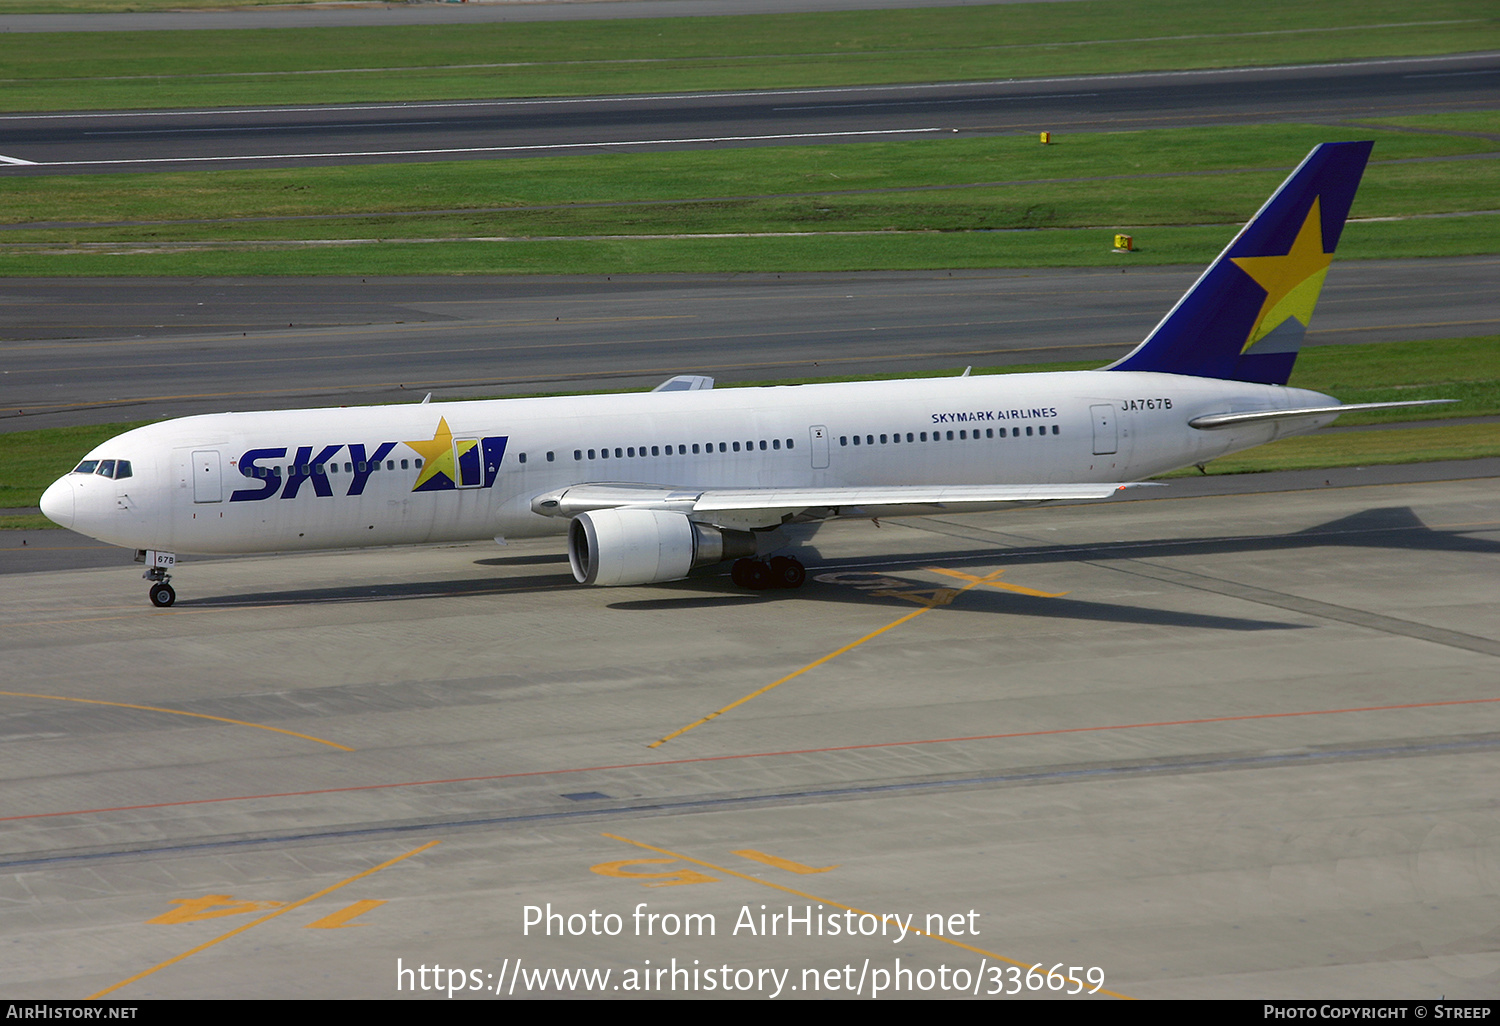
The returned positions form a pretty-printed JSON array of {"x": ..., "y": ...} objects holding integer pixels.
[
  {"x": 437, "y": 455},
  {"x": 1292, "y": 281}
]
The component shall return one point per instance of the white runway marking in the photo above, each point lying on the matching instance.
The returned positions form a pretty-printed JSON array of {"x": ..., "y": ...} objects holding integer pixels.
[
  {"x": 491, "y": 149},
  {"x": 14, "y": 160}
]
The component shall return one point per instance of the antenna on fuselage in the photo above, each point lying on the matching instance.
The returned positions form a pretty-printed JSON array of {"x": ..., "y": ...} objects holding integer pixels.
[{"x": 425, "y": 399}]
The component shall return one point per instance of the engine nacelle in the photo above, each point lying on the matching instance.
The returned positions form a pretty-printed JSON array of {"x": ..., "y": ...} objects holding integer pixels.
[{"x": 645, "y": 546}]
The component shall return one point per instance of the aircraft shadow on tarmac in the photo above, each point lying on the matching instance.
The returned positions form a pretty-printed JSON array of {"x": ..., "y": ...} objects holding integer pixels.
[
  {"x": 981, "y": 600},
  {"x": 1388, "y": 527},
  {"x": 541, "y": 557}
]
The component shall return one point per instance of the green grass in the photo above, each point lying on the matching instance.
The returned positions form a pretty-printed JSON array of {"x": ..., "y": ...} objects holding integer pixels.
[
  {"x": 1180, "y": 192},
  {"x": 819, "y": 252},
  {"x": 216, "y": 67},
  {"x": 26, "y": 522},
  {"x": 1463, "y": 368},
  {"x": 367, "y": 189},
  {"x": 1363, "y": 448},
  {"x": 34, "y": 459}
]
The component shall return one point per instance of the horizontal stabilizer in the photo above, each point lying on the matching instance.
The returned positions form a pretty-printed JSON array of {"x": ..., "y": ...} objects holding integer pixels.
[
  {"x": 685, "y": 383},
  {"x": 1215, "y": 421}
]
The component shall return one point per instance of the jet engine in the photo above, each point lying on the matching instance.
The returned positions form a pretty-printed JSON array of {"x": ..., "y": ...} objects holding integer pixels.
[{"x": 644, "y": 546}]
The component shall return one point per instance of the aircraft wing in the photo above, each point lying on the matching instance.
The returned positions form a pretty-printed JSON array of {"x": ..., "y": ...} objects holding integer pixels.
[{"x": 811, "y": 503}]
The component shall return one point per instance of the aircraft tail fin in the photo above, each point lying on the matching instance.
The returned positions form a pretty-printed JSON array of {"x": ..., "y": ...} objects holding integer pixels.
[{"x": 1244, "y": 318}]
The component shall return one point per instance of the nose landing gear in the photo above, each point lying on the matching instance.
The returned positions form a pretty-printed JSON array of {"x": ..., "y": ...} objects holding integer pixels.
[{"x": 157, "y": 566}]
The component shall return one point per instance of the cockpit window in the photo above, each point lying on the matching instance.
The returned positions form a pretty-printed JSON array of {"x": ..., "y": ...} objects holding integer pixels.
[{"x": 104, "y": 468}]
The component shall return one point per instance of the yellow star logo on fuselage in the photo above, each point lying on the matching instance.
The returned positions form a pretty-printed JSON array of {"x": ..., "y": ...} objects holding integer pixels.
[
  {"x": 1292, "y": 280},
  {"x": 437, "y": 455}
]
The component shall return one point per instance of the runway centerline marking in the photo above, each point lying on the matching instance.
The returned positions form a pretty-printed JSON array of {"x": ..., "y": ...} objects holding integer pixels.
[
  {"x": 272, "y": 915},
  {"x": 1243, "y": 717},
  {"x": 819, "y": 662},
  {"x": 848, "y": 908},
  {"x": 179, "y": 712}
]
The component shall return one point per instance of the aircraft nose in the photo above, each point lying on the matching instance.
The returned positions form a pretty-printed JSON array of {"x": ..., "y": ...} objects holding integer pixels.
[{"x": 57, "y": 502}]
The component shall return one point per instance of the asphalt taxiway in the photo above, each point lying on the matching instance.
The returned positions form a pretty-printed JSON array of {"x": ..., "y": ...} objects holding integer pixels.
[
  {"x": 1339, "y": 93},
  {"x": 108, "y": 350},
  {"x": 1213, "y": 745}
]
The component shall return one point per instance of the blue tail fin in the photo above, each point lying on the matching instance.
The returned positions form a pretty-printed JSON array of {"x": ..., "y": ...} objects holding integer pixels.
[{"x": 1244, "y": 319}]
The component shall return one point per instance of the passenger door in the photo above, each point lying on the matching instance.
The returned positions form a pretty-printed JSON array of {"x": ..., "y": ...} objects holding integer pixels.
[
  {"x": 819, "y": 437},
  {"x": 207, "y": 480}
]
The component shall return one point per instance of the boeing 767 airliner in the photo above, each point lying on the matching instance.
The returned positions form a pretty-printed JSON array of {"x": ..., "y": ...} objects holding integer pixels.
[{"x": 648, "y": 486}]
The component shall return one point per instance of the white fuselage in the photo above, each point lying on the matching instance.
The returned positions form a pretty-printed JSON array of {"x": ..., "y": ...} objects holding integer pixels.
[{"x": 196, "y": 483}]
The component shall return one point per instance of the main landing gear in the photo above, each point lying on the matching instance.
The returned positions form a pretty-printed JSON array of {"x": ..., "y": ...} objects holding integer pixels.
[{"x": 760, "y": 574}]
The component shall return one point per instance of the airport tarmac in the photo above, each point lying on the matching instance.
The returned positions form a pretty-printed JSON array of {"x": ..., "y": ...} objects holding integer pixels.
[
  {"x": 1206, "y": 745},
  {"x": 98, "y": 350}
]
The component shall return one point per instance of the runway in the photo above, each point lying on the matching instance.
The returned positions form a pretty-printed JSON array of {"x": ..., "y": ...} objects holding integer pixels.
[
  {"x": 119, "y": 141},
  {"x": 107, "y": 350},
  {"x": 1211, "y": 746}
]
